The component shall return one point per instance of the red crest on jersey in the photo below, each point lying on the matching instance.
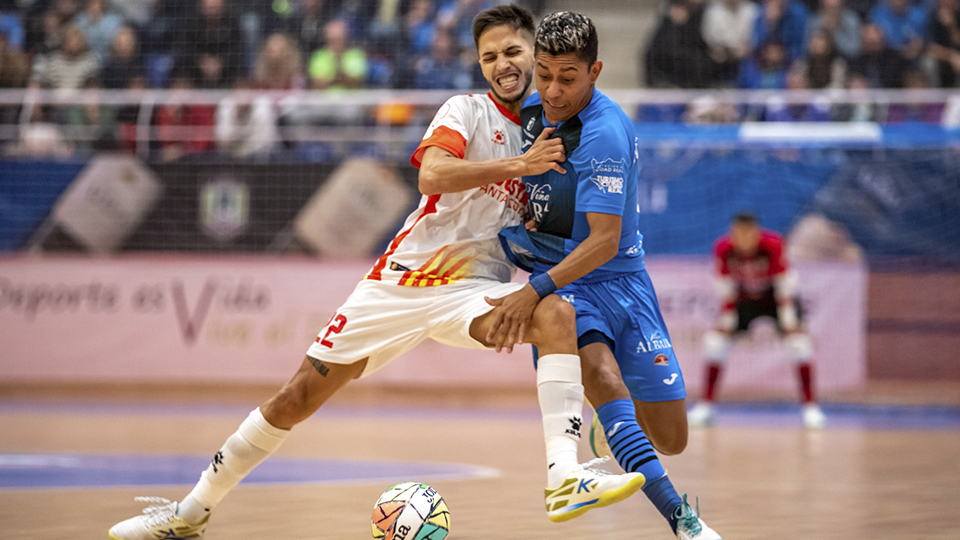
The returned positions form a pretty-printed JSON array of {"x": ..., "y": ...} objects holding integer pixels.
[{"x": 661, "y": 360}]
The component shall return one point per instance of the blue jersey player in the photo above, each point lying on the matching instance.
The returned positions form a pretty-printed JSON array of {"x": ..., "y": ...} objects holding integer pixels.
[{"x": 584, "y": 245}]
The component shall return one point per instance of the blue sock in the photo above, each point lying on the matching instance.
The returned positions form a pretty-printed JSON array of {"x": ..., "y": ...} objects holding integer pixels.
[{"x": 635, "y": 454}]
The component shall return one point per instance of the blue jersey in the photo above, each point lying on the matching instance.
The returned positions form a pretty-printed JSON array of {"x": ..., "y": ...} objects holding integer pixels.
[{"x": 602, "y": 173}]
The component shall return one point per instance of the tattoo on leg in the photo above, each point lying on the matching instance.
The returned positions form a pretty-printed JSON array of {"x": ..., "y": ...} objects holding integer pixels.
[{"x": 319, "y": 366}]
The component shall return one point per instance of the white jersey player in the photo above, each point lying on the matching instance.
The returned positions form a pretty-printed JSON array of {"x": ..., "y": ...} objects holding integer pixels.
[{"x": 440, "y": 278}]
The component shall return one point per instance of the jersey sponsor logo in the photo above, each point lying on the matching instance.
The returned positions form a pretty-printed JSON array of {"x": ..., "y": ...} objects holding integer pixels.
[
  {"x": 441, "y": 114},
  {"x": 635, "y": 248},
  {"x": 499, "y": 137},
  {"x": 655, "y": 342},
  {"x": 671, "y": 380},
  {"x": 539, "y": 195},
  {"x": 608, "y": 174},
  {"x": 661, "y": 360}
]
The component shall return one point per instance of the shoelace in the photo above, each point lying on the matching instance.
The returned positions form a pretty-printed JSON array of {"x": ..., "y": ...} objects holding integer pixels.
[
  {"x": 688, "y": 519},
  {"x": 158, "y": 511},
  {"x": 596, "y": 461}
]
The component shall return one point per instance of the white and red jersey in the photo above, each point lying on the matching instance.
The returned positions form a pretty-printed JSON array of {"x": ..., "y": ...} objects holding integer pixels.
[
  {"x": 453, "y": 236},
  {"x": 754, "y": 275}
]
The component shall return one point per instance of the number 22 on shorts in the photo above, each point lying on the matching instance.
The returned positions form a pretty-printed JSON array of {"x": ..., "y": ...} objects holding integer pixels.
[{"x": 334, "y": 326}]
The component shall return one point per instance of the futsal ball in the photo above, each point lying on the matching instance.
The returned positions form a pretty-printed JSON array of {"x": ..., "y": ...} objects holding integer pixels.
[{"x": 410, "y": 511}]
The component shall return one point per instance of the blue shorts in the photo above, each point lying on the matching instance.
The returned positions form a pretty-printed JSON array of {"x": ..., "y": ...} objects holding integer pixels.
[{"x": 626, "y": 311}]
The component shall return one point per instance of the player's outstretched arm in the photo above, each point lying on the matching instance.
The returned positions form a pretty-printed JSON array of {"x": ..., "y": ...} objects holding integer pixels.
[{"x": 443, "y": 172}]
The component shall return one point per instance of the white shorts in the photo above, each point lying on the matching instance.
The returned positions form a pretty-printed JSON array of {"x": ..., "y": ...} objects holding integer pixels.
[{"x": 381, "y": 321}]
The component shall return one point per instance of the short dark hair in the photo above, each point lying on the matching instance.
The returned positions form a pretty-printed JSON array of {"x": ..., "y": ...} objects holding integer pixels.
[
  {"x": 513, "y": 16},
  {"x": 744, "y": 218},
  {"x": 566, "y": 32}
]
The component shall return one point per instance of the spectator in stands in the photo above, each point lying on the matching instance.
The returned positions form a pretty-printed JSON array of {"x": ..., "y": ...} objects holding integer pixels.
[
  {"x": 822, "y": 66},
  {"x": 458, "y": 15},
  {"x": 442, "y": 68},
  {"x": 420, "y": 26},
  {"x": 840, "y": 24},
  {"x": 12, "y": 26},
  {"x": 247, "y": 125},
  {"x": 307, "y": 25},
  {"x": 902, "y": 25},
  {"x": 69, "y": 67},
  {"x": 183, "y": 128},
  {"x": 339, "y": 64},
  {"x": 45, "y": 32},
  {"x": 944, "y": 34},
  {"x": 930, "y": 113},
  {"x": 125, "y": 68},
  {"x": 14, "y": 66},
  {"x": 728, "y": 31},
  {"x": 136, "y": 12},
  {"x": 279, "y": 65},
  {"x": 99, "y": 26},
  {"x": 91, "y": 125},
  {"x": 766, "y": 69},
  {"x": 211, "y": 47},
  {"x": 784, "y": 21},
  {"x": 814, "y": 110},
  {"x": 882, "y": 66},
  {"x": 858, "y": 109},
  {"x": 677, "y": 55}
]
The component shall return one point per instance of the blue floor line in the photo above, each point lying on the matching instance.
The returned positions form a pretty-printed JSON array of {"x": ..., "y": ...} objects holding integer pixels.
[{"x": 87, "y": 470}]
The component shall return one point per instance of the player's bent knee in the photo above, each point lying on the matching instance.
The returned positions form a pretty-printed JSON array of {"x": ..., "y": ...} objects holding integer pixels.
[
  {"x": 716, "y": 346},
  {"x": 553, "y": 319},
  {"x": 799, "y": 347}
]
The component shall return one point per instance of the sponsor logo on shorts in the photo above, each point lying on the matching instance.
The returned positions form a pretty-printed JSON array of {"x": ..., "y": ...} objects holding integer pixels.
[
  {"x": 671, "y": 380},
  {"x": 568, "y": 297},
  {"x": 400, "y": 267},
  {"x": 661, "y": 360}
]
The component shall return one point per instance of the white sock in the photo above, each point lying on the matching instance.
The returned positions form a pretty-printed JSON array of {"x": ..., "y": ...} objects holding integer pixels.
[
  {"x": 561, "y": 404},
  {"x": 252, "y": 443}
]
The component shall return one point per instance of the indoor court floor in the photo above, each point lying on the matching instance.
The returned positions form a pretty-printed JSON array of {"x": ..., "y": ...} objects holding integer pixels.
[{"x": 72, "y": 462}]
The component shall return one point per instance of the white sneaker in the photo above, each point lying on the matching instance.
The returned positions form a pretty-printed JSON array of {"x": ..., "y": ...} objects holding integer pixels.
[
  {"x": 701, "y": 415},
  {"x": 813, "y": 417},
  {"x": 690, "y": 526},
  {"x": 586, "y": 488},
  {"x": 160, "y": 521}
]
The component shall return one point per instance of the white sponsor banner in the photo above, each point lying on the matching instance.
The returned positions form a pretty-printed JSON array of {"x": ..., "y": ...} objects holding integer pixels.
[
  {"x": 196, "y": 319},
  {"x": 235, "y": 319},
  {"x": 834, "y": 300}
]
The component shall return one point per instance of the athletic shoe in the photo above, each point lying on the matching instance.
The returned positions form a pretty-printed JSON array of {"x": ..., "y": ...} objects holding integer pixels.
[
  {"x": 598, "y": 439},
  {"x": 586, "y": 488},
  {"x": 159, "y": 521},
  {"x": 701, "y": 415},
  {"x": 689, "y": 524},
  {"x": 813, "y": 417}
]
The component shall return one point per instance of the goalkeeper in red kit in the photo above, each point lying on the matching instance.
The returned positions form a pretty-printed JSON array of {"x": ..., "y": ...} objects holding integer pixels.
[{"x": 753, "y": 281}]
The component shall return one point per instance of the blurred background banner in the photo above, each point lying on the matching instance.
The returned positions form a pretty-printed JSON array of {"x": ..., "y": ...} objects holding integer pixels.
[
  {"x": 207, "y": 320},
  {"x": 238, "y": 319}
]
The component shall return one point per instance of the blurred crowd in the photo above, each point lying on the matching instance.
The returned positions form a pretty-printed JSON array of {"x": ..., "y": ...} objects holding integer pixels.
[
  {"x": 332, "y": 45},
  {"x": 808, "y": 44},
  {"x": 215, "y": 44}
]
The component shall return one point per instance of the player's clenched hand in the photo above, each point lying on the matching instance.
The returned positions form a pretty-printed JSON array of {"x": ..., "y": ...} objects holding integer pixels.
[
  {"x": 544, "y": 155},
  {"x": 513, "y": 314}
]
